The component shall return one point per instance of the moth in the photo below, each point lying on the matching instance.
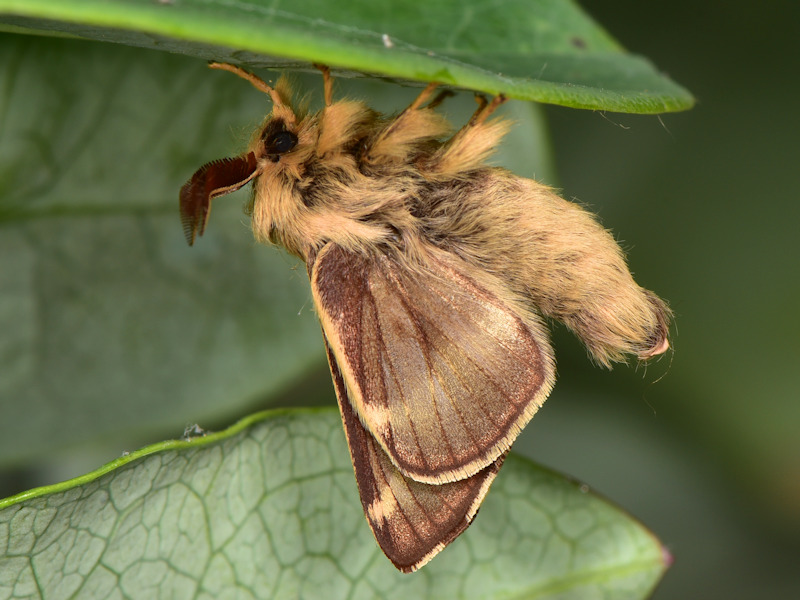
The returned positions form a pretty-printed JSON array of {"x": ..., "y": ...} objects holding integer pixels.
[{"x": 431, "y": 274}]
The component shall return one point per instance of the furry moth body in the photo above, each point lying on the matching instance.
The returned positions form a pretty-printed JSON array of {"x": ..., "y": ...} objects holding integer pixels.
[{"x": 430, "y": 273}]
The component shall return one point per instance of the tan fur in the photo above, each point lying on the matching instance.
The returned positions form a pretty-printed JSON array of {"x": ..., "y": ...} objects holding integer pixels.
[{"x": 367, "y": 182}]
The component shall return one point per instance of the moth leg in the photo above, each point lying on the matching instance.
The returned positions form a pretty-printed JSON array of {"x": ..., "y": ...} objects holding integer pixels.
[
  {"x": 403, "y": 116},
  {"x": 485, "y": 109},
  {"x": 471, "y": 145},
  {"x": 440, "y": 97},
  {"x": 400, "y": 136},
  {"x": 327, "y": 83},
  {"x": 424, "y": 95}
]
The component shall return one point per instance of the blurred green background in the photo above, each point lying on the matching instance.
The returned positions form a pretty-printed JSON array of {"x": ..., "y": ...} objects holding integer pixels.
[
  {"x": 702, "y": 446},
  {"x": 706, "y": 202}
]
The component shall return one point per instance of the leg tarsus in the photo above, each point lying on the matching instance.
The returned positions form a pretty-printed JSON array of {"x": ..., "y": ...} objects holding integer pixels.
[
  {"x": 327, "y": 83},
  {"x": 485, "y": 108},
  {"x": 440, "y": 97},
  {"x": 424, "y": 95},
  {"x": 482, "y": 102}
]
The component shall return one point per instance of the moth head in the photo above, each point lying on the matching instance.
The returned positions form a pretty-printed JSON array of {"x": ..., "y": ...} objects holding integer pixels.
[
  {"x": 273, "y": 151},
  {"x": 283, "y": 144}
]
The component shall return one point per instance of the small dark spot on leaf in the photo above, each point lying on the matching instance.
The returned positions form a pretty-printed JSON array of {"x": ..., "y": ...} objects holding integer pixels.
[{"x": 578, "y": 42}]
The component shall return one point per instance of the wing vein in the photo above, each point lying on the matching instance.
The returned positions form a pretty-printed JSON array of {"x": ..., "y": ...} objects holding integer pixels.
[
  {"x": 424, "y": 345},
  {"x": 385, "y": 357}
]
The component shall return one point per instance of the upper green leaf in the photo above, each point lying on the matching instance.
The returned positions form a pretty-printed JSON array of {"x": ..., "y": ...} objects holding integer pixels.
[
  {"x": 543, "y": 50},
  {"x": 269, "y": 509}
]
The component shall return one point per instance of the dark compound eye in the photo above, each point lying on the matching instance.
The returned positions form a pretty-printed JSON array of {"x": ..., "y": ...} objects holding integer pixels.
[{"x": 281, "y": 142}]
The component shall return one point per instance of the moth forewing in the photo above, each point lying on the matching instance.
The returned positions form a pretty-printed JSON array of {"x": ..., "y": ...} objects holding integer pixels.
[
  {"x": 411, "y": 521},
  {"x": 441, "y": 371}
]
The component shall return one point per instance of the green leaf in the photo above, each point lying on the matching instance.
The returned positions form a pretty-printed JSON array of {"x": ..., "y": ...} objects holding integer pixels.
[
  {"x": 543, "y": 50},
  {"x": 269, "y": 509}
]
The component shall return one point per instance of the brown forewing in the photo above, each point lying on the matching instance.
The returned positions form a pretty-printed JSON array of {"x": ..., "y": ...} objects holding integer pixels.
[
  {"x": 440, "y": 370},
  {"x": 411, "y": 521}
]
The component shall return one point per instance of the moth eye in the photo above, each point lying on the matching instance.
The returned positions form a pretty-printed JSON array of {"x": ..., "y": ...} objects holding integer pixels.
[{"x": 281, "y": 142}]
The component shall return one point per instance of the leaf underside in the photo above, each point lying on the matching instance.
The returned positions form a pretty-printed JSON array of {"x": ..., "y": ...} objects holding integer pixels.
[{"x": 543, "y": 50}]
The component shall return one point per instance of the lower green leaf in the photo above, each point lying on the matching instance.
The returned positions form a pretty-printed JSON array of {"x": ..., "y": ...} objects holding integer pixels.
[{"x": 269, "y": 509}]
